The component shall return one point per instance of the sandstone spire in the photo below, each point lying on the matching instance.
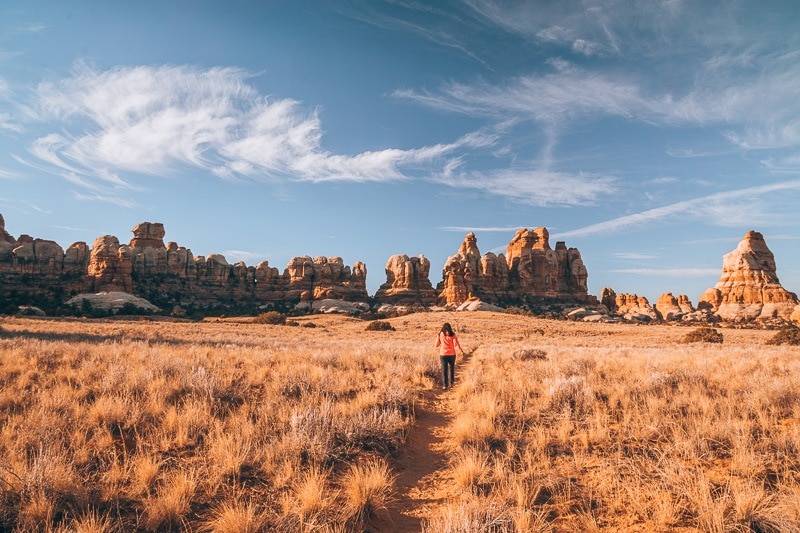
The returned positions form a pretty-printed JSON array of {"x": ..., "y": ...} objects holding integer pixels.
[{"x": 749, "y": 288}]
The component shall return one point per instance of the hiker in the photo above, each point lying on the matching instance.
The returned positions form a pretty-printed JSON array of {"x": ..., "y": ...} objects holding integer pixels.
[{"x": 447, "y": 342}]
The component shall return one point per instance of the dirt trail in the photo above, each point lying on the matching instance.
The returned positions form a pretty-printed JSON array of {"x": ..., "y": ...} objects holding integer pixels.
[
  {"x": 420, "y": 468},
  {"x": 421, "y": 482}
]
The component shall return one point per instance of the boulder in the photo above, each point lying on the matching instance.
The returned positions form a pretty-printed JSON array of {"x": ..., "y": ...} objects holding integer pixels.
[
  {"x": 478, "y": 305},
  {"x": 329, "y": 305},
  {"x": 111, "y": 301},
  {"x": 749, "y": 288}
]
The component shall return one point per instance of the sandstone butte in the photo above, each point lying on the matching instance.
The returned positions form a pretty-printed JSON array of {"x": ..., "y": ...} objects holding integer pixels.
[{"x": 749, "y": 288}]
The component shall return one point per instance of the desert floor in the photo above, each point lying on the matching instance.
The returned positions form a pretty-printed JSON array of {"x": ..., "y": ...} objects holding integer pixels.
[{"x": 552, "y": 426}]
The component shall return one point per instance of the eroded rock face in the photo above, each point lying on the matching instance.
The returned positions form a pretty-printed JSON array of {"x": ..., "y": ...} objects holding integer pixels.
[
  {"x": 110, "y": 266},
  {"x": 749, "y": 288},
  {"x": 609, "y": 299},
  {"x": 530, "y": 269},
  {"x": 407, "y": 281}
]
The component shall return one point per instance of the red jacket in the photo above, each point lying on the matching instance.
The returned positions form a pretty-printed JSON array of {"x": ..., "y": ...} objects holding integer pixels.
[{"x": 447, "y": 344}]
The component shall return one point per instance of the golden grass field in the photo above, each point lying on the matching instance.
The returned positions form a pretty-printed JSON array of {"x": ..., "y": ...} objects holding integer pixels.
[{"x": 234, "y": 426}]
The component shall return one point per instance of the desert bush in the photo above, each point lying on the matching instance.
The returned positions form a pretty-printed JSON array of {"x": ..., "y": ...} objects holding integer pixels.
[
  {"x": 274, "y": 318},
  {"x": 379, "y": 325},
  {"x": 703, "y": 335},
  {"x": 530, "y": 354},
  {"x": 790, "y": 336}
]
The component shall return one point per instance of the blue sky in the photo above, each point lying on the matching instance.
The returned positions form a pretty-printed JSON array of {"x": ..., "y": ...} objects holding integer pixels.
[{"x": 649, "y": 135}]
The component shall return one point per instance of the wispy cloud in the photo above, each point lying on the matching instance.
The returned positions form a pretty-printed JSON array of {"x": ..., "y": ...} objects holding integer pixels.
[
  {"x": 635, "y": 256},
  {"x": 671, "y": 272},
  {"x": 533, "y": 186},
  {"x": 107, "y": 198},
  {"x": 157, "y": 120},
  {"x": 720, "y": 208},
  {"x": 234, "y": 256},
  {"x": 480, "y": 229}
]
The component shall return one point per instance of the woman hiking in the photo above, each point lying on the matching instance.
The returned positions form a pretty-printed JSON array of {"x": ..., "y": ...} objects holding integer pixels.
[{"x": 447, "y": 342}]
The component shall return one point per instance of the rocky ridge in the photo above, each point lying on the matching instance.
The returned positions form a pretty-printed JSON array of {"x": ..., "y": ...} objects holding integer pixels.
[{"x": 530, "y": 274}]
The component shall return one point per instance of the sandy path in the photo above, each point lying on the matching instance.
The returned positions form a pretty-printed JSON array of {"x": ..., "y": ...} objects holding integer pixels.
[{"x": 421, "y": 484}]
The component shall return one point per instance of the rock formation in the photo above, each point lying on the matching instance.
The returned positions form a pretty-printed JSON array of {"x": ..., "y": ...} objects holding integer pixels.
[
  {"x": 407, "y": 281},
  {"x": 749, "y": 288},
  {"x": 671, "y": 308},
  {"x": 40, "y": 271},
  {"x": 529, "y": 271},
  {"x": 634, "y": 308},
  {"x": 110, "y": 266},
  {"x": 326, "y": 278}
]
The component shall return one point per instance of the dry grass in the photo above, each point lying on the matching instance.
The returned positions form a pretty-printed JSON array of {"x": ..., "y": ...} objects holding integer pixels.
[
  {"x": 219, "y": 426},
  {"x": 234, "y": 426}
]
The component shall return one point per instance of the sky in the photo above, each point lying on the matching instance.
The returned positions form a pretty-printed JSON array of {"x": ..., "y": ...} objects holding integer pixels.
[{"x": 650, "y": 135}]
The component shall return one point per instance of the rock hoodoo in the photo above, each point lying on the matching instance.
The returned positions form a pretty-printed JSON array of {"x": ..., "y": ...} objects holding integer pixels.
[
  {"x": 749, "y": 288},
  {"x": 669, "y": 307},
  {"x": 407, "y": 281},
  {"x": 529, "y": 271}
]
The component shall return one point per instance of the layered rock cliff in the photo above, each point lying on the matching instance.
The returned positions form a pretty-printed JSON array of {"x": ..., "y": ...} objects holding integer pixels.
[
  {"x": 529, "y": 271},
  {"x": 749, "y": 288}
]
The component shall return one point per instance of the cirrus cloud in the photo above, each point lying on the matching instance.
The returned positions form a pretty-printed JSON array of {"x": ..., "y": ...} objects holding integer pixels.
[{"x": 155, "y": 120}]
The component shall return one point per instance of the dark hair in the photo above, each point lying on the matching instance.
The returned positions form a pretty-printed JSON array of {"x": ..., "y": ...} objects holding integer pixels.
[{"x": 447, "y": 329}]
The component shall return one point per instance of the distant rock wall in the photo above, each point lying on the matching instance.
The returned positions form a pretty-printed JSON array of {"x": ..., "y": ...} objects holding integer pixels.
[{"x": 168, "y": 274}]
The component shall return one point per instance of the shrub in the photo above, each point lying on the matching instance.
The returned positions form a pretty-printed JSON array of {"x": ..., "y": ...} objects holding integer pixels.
[
  {"x": 703, "y": 335},
  {"x": 308, "y": 325},
  {"x": 789, "y": 336},
  {"x": 530, "y": 354},
  {"x": 380, "y": 325},
  {"x": 271, "y": 317}
]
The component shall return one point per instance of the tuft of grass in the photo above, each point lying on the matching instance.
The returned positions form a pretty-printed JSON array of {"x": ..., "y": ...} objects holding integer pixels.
[
  {"x": 366, "y": 491},
  {"x": 470, "y": 470},
  {"x": 172, "y": 501},
  {"x": 235, "y": 517},
  {"x": 703, "y": 335}
]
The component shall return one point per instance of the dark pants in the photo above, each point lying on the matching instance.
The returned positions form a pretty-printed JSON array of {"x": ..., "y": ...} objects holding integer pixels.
[{"x": 448, "y": 369}]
